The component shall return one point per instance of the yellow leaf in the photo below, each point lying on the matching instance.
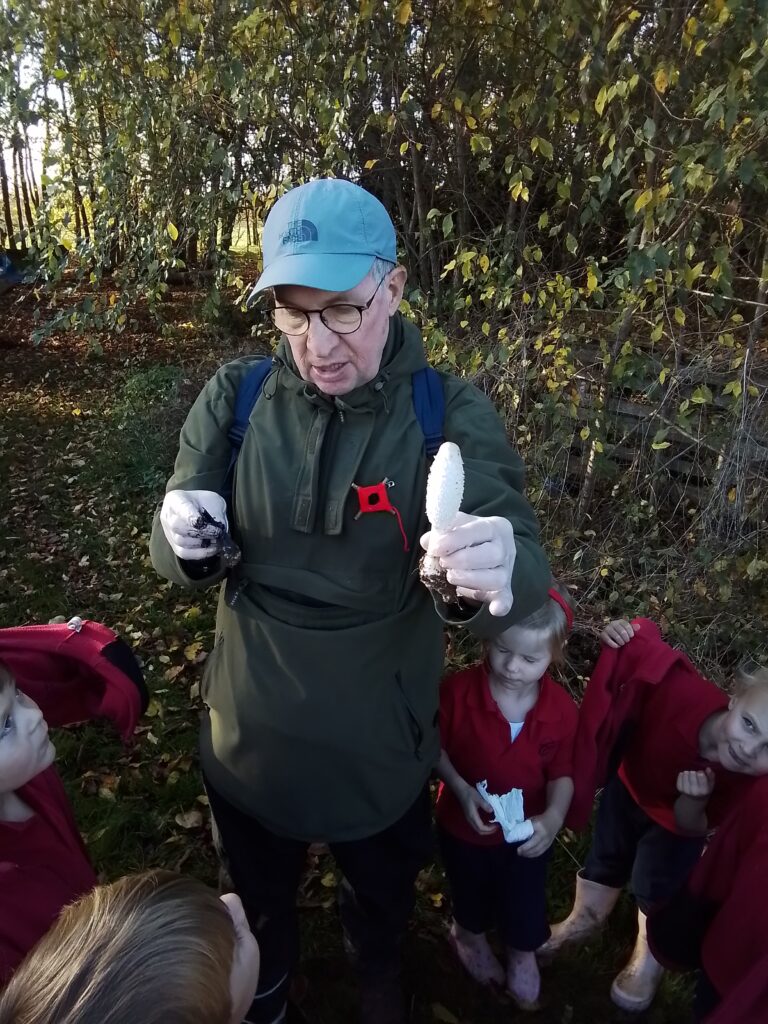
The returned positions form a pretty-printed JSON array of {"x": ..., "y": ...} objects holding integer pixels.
[
  {"x": 598, "y": 446},
  {"x": 436, "y": 108},
  {"x": 328, "y": 880},
  {"x": 484, "y": 263},
  {"x": 584, "y": 61},
  {"x": 172, "y": 230},
  {"x": 66, "y": 243},
  {"x": 369, "y": 164},
  {"x": 600, "y": 100},
  {"x": 584, "y": 433},
  {"x": 77, "y": 412},
  {"x": 471, "y": 122},
  {"x": 403, "y": 12},
  {"x": 679, "y": 316},
  {"x": 661, "y": 80},
  {"x": 643, "y": 199},
  {"x": 591, "y": 282},
  {"x": 458, "y": 103},
  {"x": 403, "y": 148},
  {"x": 658, "y": 445},
  {"x": 192, "y": 651},
  {"x": 732, "y": 494}
]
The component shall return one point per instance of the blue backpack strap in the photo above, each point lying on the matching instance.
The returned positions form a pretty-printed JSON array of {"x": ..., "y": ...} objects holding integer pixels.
[
  {"x": 245, "y": 399},
  {"x": 429, "y": 406}
]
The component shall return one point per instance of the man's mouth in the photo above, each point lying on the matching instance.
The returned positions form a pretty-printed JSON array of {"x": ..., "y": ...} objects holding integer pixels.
[{"x": 329, "y": 369}]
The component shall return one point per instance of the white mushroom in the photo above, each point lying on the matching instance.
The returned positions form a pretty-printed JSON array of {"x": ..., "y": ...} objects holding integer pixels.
[
  {"x": 508, "y": 812},
  {"x": 445, "y": 489}
]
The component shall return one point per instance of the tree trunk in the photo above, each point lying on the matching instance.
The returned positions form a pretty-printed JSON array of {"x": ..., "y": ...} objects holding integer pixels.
[{"x": 6, "y": 200}]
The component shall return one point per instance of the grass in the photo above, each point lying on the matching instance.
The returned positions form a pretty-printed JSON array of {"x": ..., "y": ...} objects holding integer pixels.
[{"x": 85, "y": 447}]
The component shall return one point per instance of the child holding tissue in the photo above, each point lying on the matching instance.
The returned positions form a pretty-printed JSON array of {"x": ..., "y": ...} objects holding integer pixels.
[{"x": 506, "y": 733}]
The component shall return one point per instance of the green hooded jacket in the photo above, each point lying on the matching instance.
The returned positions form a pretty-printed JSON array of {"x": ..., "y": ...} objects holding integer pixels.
[{"x": 322, "y": 687}]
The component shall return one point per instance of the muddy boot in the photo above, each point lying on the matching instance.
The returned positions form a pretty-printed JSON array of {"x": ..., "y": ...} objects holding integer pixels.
[
  {"x": 591, "y": 906},
  {"x": 475, "y": 955},
  {"x": 523, "y": 980},
  {"x": 634, "y": 988}
]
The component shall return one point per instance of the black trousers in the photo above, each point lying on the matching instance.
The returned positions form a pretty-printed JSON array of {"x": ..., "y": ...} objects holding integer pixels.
[
  {"x": 629, "y": 847},
  {"x": 376, "y": 895},
  {"x": 494, "y": 887}
]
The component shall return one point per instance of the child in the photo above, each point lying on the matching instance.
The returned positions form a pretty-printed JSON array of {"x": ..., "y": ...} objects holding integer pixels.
[
  {"x": 77, "y": 670},
  {"x": 688, "y": 757},
  {"x": 154, "y": 948},
  {"x": 508, "y": 723},
  {"x": 718, "y": 922}
]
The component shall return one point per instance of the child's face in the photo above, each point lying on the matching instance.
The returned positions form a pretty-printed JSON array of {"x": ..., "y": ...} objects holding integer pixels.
[
  {"x": 519, "y": 657},
  {"x": 25, "y": 749},
  {"x": 743, "y": 745}
]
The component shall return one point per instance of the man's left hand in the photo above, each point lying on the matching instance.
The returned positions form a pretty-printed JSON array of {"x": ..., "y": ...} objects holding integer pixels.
[{"x": 478, "y": 554}]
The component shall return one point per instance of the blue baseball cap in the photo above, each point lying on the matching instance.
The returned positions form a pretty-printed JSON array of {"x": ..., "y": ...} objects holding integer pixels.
[{"x": 325, "y": 234}]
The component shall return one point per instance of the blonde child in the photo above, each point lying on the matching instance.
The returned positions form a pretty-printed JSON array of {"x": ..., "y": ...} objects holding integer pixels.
[
  {"x": 154, "y": 948},
  {"x": 505, "y": 722},
  {"x": 690, "y": 755}
]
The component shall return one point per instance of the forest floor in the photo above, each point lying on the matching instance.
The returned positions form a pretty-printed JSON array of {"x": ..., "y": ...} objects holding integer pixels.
[{"x": 86, "y": 443}]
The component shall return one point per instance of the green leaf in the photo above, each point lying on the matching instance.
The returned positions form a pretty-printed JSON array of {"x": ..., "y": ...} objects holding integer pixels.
[
  {"x": 570, "y": 243},
  {"x": 447, "y": 224},
  {"x": 643, "y": 199}
]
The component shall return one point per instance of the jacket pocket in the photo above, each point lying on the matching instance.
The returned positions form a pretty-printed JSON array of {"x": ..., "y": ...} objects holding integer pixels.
[{"x": 417, "y": 730}]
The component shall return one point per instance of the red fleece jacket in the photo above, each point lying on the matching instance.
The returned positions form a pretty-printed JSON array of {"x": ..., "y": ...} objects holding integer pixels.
[
  {"x": 642, "y": 711},
  {"x": 73, "y": 675},
  {"x": 720, "y": 919}
]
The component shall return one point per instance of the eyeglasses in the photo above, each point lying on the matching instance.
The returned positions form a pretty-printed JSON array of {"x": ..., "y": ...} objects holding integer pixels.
[{"x": 341, "y": 318}]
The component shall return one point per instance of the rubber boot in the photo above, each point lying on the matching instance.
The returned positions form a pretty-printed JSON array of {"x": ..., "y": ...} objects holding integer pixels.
[
  {"x": 592, "y": 904},
  {"x": 523, "y": 979},
  {"x": 475, "y": 955},
  {"x": 634, "y": 988}
]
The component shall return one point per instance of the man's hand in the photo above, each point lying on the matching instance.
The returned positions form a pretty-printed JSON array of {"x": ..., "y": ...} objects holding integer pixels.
[
  {"x": 478, "y": 555},
  {"x": 697, "y": 785},
  {"x": 618, "y": 633},
  {"x": 545, "y": 828},
  {"x": 472, "y": 804},
  {"x": 194, "y": 523}
]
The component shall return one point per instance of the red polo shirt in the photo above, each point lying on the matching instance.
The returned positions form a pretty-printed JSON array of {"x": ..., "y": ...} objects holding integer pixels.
[
  {"x": 665, "y": 742},
  {"x": 476, "y": 737}
]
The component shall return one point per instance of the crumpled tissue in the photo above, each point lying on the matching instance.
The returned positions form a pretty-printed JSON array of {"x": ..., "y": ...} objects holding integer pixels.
[{"x": 508, "y": 812}]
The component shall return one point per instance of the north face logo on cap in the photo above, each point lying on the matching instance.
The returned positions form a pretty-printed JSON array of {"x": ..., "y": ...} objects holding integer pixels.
[{"x": 300, "y": 231}]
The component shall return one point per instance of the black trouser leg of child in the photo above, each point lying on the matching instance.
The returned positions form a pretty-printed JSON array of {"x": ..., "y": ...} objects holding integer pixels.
[
  {"x": 494, "y": 887},
  {"x": 376, "y": 896},
  {"x": 629, "y": 847}
]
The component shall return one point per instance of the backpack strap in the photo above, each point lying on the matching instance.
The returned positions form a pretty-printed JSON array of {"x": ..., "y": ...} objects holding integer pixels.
[
  {"x": 245, "y": 399},
  {"x": 429, "y": 406}
]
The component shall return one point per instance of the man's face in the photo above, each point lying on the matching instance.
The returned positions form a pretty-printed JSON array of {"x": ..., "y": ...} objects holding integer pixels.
[{"x": 338, "y": 363}]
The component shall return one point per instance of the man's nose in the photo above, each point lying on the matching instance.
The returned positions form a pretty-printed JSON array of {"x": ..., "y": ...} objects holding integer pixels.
[{"x": 320, "y": 339}]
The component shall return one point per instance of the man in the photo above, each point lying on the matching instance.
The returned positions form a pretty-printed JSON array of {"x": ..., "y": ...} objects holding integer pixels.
[{"x": 321, "y": 690}]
